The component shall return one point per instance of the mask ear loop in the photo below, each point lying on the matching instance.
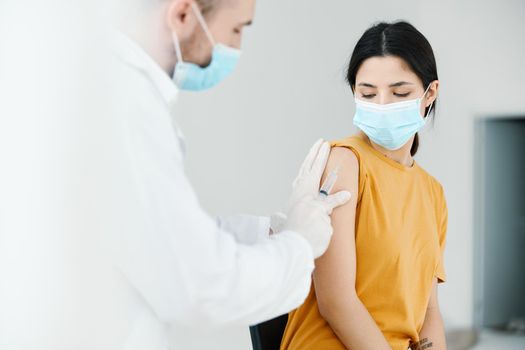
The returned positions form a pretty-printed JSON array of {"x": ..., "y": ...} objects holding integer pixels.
[
  {"x": 427, "y": 127},
  {"x": 202, "y": 22},
  {"x": 178, "y": 51},
  {"x": 430, "y": 107},
  {"x": 429, "y": 110}
]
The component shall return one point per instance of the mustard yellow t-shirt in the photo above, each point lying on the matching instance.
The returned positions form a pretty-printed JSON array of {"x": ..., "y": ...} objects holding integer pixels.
[{"x": 400, "y": 229}]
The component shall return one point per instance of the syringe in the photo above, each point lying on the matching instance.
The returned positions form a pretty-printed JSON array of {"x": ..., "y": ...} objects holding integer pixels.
[{"x": 329, "y": 182}]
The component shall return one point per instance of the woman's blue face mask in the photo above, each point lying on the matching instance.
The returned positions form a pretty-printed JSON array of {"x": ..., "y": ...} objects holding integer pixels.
[
  {"x": 190, "y": 76},
  {"x": 390, "y": 125}
]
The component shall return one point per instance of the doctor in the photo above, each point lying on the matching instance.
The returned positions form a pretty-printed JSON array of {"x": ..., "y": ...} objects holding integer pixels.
[{"x": 178, "y": 264}]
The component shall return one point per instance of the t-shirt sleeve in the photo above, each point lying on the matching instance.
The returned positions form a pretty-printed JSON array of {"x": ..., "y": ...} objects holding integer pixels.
[{"x": 442, "y": 232}]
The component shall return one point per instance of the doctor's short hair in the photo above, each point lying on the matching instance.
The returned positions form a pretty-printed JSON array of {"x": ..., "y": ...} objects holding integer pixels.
[
  {"x": 399, "y": 39},
  {"x": 207, "y": 5}
]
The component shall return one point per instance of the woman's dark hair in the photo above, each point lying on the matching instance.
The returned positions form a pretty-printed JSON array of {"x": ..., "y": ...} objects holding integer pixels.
[{"x": 400, "y": 39}]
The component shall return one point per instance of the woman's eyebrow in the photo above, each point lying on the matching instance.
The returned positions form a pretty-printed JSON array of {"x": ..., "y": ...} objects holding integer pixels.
[{"x": 400, "y": 83}]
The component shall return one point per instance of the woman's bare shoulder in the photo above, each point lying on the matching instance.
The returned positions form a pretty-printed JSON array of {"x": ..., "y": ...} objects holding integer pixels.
[
  {"x": 347, "y": 164},
  {"x": 346, "y": 160}
]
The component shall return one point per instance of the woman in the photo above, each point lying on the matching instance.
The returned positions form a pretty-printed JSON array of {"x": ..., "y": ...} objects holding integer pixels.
[{"x": 376, "y": 287}]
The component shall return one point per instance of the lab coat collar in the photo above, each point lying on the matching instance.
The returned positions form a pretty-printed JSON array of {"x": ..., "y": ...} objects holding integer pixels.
[{"x": 131, "y": 53}]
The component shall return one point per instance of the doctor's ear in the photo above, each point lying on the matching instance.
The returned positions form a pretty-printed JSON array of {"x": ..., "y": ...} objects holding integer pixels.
[
  {"x": 432, "y": 93},
  {"x": 181, "y": 19}
]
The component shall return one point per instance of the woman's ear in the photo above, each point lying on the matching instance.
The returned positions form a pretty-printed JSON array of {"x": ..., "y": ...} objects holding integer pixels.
[
  {"x": 181, "y": 19},
  {"x": 432, "y": 93}
]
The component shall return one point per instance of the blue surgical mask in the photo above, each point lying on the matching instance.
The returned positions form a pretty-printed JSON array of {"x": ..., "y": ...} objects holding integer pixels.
[
  {"x": 190, "y": 76},
  {"x": 390, "y": 125}
]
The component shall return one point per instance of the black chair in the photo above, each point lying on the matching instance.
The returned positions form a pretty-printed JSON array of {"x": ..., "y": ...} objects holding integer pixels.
[{"x": 268, "y": 335}]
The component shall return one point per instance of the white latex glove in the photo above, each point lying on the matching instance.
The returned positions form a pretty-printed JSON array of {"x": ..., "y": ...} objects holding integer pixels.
[{"x": 308, "y": 213}]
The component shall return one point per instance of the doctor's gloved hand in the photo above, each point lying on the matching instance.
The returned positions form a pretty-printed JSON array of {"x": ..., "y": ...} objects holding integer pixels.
[{"x": 308, "y": 213}]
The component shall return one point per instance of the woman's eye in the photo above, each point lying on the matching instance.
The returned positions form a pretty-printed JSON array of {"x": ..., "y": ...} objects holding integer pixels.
[
  {"x": 401, "y": 95},
  {"x": 368, "y": 96}
]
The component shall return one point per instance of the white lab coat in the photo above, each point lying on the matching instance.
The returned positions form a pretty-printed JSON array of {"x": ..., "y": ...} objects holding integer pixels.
[{"x": 177, "y": 264}]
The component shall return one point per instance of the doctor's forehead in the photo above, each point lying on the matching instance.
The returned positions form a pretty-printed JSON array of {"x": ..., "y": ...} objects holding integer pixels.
[{"x": 385, "y": 71}]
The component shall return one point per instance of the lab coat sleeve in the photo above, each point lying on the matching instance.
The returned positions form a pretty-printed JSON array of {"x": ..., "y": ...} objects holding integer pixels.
[
  {"x": 247, "y": 229},
  {"x": 188, "y": 269}
]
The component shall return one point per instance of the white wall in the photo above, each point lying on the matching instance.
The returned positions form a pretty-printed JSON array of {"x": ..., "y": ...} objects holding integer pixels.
[{"x": 249, "y": 136}]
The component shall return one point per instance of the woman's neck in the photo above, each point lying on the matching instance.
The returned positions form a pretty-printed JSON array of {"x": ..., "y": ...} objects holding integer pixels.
[{"x": 402, "y": 155}]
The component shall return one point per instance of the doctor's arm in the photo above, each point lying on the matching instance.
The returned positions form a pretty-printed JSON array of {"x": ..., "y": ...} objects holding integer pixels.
[
  {"x": 335, "y": 272},
  {"x": 189, "y": 270},
  {"x": 246, "y": 229},
  {"x": 250, "y": 229},
  {"x": 432, "y": 335}
]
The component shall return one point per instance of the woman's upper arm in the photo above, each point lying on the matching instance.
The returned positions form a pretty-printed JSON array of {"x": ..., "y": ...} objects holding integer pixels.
[{"x": 335, "y": 271}]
